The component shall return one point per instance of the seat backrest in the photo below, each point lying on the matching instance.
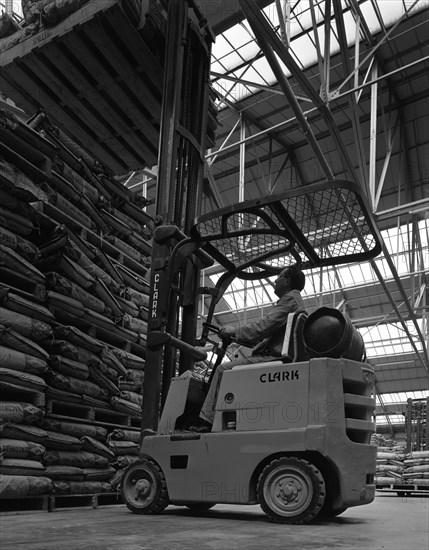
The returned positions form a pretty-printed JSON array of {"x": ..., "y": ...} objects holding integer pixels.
[
  {"x": 299, "y": 349},
  {"x": 293, "y": 343}
]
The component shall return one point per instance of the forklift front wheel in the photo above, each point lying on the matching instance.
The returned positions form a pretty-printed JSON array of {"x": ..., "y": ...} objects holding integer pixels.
[
  {"x": 144, "y": 489},
  {"x": 291, "y": 490}
]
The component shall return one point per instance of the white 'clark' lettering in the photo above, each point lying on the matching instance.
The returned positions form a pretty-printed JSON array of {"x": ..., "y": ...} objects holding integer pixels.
[{"x": 155, "y": 295}]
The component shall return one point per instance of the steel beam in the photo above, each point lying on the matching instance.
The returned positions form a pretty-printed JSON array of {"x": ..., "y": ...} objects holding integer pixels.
[
  {"x": 414, "y": 207},
  {"x": 327, "y": 57},
  {"x": 308, "y": 112},
  {"x": 242, "y": 161},
  {"x": 373, "y": 50},
  {"x": 373, "y": 139},
  {"x": 264, "y": 39},
  {"x": 390, "y": 143},
  {"x": 265, "y": 32},
  {"x": 353, "y": 108}
]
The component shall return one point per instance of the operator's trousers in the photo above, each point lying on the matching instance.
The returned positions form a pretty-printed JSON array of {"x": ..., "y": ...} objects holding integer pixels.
[{"x": 208, "y": 409}]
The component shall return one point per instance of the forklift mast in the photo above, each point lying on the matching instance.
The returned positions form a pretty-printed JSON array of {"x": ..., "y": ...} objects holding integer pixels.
[{"x": 183, "y": 141}]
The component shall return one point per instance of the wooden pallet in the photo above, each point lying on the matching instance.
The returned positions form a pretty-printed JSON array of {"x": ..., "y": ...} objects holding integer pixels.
[
  {"x": 114, "y": 335},
  {"x": 92, "y": 500},
  {"x": 50, "y": 503},
  {"x": 73, "y": 411},
  {"x": 403, "y": 489},
  {"x": 135, "y": 423},
  {"x": 24, "y": 504},
  {"x": 22, "y": 285},
  {"x": 19, "y": 393}
]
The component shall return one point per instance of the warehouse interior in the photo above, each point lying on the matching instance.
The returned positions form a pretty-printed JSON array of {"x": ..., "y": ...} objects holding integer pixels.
[{"x": 115, "y": 122}]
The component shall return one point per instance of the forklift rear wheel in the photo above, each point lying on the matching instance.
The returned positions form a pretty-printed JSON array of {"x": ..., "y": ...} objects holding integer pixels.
[
  {"x": 291, "y": 490},
  {"x": 144, "y": 489},
  {"x": 200, "y": 506}
]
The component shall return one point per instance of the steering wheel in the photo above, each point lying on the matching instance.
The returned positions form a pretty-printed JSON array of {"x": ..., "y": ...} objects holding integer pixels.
[{"x": 226, "y": 339}]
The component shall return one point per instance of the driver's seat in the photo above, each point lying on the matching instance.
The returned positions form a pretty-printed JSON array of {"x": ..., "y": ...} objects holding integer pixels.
[{"x": 293, "y": 349}]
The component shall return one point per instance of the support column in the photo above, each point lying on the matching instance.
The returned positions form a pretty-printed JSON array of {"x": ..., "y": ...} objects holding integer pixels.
[{"x": 373, "y": 140}]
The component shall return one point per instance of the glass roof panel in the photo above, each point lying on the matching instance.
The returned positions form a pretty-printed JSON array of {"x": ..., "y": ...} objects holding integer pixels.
[
  {"x": 393, "y": 419},
  {"x": 254, "y": 74},
  {"x": 389, "y": 339},
  {"x": 392, "y": 398},
  {"x": 237, "y": 36},
  {"x": 231, "y": 60},
  {"x": 377, "y": 14},
  {"x": 396, "y": 399},
  {"x": 263, "y": 67}
]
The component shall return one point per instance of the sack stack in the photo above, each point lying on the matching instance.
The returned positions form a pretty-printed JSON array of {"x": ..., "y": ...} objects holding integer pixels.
[
  {"x": 397, "y": 467},
  {"x": 125, "y": 445},
  {"x": 390, "y": 466},
  {"x": 75, "y": 251},
  {"x": 416, "y": 468},
  {"x": 390, "y": 461}
]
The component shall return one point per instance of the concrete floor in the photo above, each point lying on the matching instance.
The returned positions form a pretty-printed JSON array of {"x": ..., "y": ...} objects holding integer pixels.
[{"x": 390, "y": 522}]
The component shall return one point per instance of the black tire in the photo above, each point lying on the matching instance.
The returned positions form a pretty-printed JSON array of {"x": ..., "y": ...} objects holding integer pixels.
[
  {"x": 144, "y": 489},
  {"x": 291, "y": 490},
  {"x": 200, "y": 506},
  {"x": 327, "y": 512}
]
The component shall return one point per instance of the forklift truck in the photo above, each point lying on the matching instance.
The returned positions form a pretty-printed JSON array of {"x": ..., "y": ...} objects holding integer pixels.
[{"x": 292, "y": 435}]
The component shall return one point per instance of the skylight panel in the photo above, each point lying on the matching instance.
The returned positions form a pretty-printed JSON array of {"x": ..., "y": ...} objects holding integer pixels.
[
  {"x": 217, "y": 67},
  {"x": 300, "y": 27},
  {"x": 237, "y": 36},
  {"x": 304, "y": 50},
  {"x": 389, "y": 339},
  {"x": 392, "y": 10},
  {"x": 220, "y": 48},
  {"x": 401, "y": 397},
  {"x": 231, "y": 60},
  {"x": 255, "y": 76},
  {"x": 271, "y": 13},
  {"x": 393, "y": 419},
  {"x": 262, "y": 66}
]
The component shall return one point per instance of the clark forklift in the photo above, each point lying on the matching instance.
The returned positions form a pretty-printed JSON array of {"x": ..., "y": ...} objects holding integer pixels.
[{"x": 292, "y": 435}]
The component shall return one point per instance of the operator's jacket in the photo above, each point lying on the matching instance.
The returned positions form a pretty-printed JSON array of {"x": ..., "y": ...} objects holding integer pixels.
[{"x": 269, "y": 331}]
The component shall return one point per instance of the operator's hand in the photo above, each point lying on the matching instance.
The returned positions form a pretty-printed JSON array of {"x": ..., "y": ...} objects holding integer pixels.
[{"x": 227, "y": 332}]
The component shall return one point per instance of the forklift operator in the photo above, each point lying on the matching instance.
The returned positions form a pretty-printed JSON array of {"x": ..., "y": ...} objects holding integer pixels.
[{"x": 267, "y": 334}]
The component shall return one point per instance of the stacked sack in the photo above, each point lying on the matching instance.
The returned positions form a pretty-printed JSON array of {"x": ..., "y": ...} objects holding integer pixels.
[
  {"x": 84, "y": 468},
  {"x": 390, "y": 466},
  {"x": 82, "y": 369},
  {"x": 23, "y": 362},
  {"x": 130, "y": 399},
  {"x": 74, "y": 248},
  {"x": 86, "y": 289},
  {"x": 22, "y": 448},
  {"x": 96, "y": 281},
  {"x": 416, "y": 468},
  {"x": 93, "y": 237},
  {"x": 24, "y": 323},
  {"x": 390, "y": 461},
  {"x": 125, "y": 445},
  {"x": 24, "y": 320}
]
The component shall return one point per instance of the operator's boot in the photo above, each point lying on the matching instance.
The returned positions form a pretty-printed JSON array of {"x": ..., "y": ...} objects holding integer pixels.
[{"x": 201, "y": 426}]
